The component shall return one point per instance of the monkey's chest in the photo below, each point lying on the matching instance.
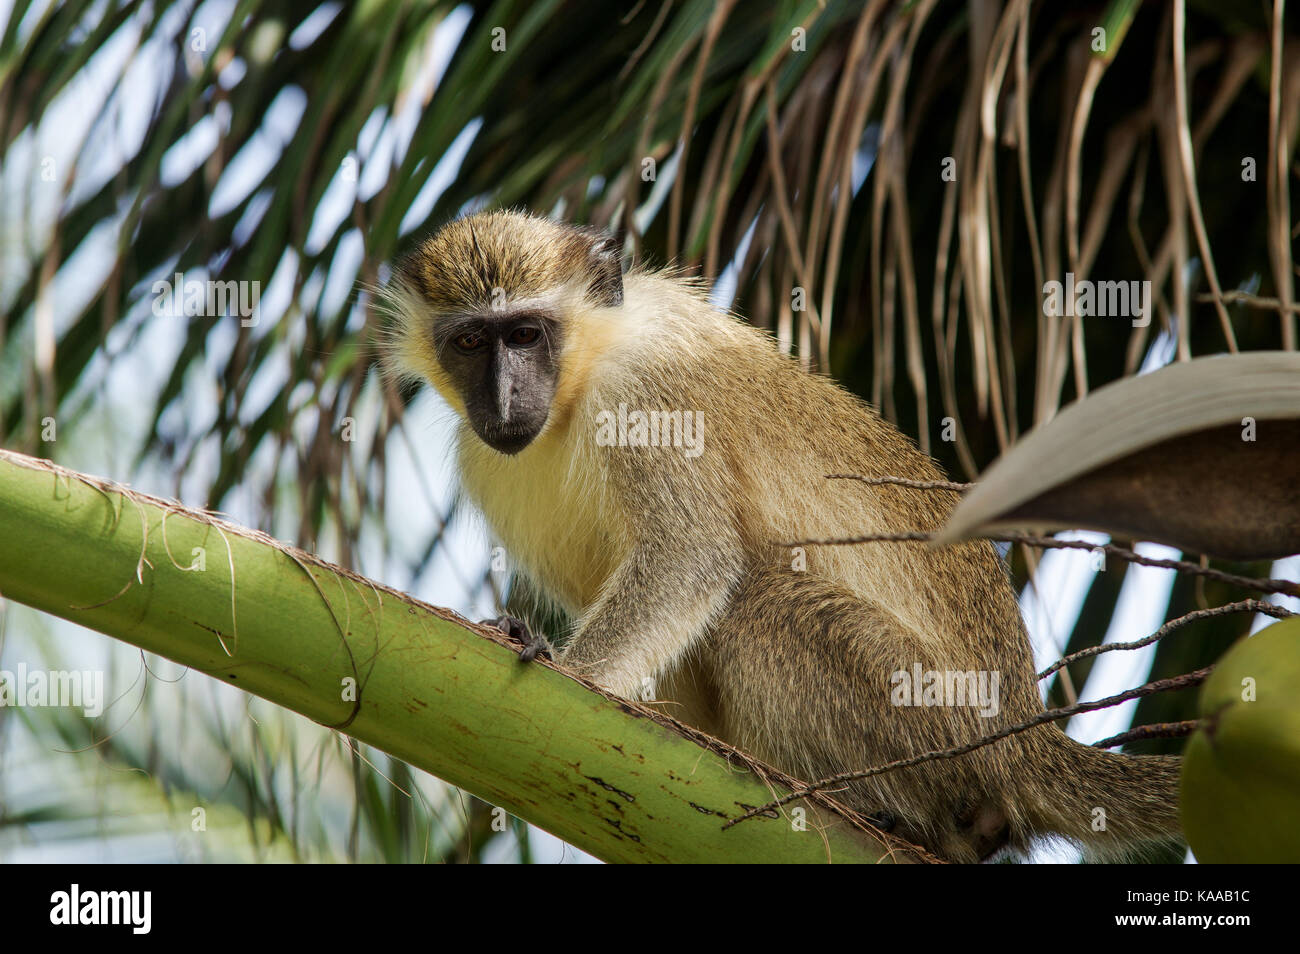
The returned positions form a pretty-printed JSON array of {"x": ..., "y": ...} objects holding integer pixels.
[{"x": 557, "y": 528}]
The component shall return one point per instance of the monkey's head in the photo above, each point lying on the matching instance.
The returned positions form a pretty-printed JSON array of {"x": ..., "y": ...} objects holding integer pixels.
[{"x": 483, "y": 310}]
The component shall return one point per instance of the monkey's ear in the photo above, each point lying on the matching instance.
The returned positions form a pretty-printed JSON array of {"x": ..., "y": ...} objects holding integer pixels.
[{"x": 606, "y": 269}]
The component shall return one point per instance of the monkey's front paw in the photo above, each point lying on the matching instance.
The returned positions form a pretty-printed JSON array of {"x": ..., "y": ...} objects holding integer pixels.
[{"x": 534, "y": 644}]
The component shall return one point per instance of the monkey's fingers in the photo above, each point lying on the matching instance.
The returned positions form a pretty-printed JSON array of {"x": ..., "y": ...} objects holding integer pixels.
[{"x": 534, "y": 644}]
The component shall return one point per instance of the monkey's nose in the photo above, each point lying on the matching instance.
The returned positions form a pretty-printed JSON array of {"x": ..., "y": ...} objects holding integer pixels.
[{"x": 505, "y": 396}]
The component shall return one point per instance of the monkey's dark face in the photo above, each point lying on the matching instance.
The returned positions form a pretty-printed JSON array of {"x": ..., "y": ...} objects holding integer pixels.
[
  {"x": 482, "y": 307},
  {"x": 504, "y": 365}
]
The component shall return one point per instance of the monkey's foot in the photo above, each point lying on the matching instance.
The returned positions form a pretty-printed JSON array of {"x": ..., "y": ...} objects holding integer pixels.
[
  {"x": 885, "y": 821},
  {"x": 534, "y": 644}
]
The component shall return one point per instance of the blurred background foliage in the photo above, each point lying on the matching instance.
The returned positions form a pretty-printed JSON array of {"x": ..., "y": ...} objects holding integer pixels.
[{"x": 916, "y": 170}]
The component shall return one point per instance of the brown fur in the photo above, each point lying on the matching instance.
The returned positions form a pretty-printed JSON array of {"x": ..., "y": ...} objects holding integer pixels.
[{"x": 672, "y": 566}]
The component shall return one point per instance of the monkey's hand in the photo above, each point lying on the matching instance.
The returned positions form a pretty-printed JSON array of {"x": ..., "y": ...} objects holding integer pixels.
[{"x": 534, "y": 644}]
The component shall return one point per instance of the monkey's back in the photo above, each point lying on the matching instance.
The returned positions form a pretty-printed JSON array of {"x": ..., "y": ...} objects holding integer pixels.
[{"x": 753, "y": 399}]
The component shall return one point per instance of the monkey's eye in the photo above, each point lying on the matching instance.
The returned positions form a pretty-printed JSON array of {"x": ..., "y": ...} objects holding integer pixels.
[
  {"x": 524, "y": 336},
  {"x": 469, "y": 341}
]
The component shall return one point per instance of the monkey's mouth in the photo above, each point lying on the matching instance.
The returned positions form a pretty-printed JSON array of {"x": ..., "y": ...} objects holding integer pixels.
[{"x": 507, "y": 439}]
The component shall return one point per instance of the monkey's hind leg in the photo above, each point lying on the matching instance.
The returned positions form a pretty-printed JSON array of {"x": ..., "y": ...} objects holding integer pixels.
[{"x": 803, "y": 676}]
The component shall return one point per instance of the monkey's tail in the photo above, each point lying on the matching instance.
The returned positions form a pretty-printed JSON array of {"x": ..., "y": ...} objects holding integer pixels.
[{"x": 1107, "y": 802}]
